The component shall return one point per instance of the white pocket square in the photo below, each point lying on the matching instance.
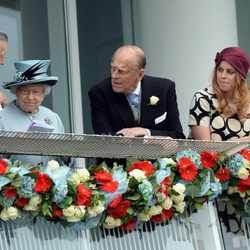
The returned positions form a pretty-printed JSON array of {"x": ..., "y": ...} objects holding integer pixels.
[{"x": 160, "y": 118}]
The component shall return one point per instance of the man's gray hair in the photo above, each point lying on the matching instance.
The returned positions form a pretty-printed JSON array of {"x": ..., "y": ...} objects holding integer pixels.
[{"x": 3, "y": 36}]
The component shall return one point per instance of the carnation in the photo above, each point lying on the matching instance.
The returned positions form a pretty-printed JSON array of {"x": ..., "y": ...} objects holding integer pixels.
[
  {"x": 83, "y": 174},
  {"x": 180, "y": 207},
  {"x": 178, "y": 198}
]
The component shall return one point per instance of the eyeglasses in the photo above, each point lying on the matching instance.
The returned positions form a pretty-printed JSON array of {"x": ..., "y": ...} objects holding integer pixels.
[{"x": 27, "y": 92}]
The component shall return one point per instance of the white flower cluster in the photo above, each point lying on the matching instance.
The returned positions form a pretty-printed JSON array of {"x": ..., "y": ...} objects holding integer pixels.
[
  {"x": 9, "y": 213},
  {"x": 82, "y": 175},
  {"x": 74, "y": 213},
  {"x": 33, "y": 203}
]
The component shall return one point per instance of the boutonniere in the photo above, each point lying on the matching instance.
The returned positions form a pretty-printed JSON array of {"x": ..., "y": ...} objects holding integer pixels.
[
  {"x": 47, "y": 120},
  {"x": 153, "y": 100}
]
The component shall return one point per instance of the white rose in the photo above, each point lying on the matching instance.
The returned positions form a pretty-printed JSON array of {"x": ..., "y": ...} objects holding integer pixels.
[
  {"x": 178, "y": 198},
  {"x": 53, "y": 165},
  {"x": 160, "y": 197},
  {"x": 69, "y": 211},
  {"x": 80, "y": 211},
  {"x": 167, "y": 204},
  {"x": 73, "y": 219},
  {"x": 83, "y": 174},
  {"x": 154, "y": 100},
  {"x": 138, "y": 174},
  {"x": 35, "y": 200},
  {"x": 167, "y": 161},
  {"x": 111, "y": 222},
  {"x": 4, "y": 215},
  {"x": 180, "y": 207},
  {"x": 242, "y": 195},
  {"x": 180, "y": 188},
  {"x": 246, "y": 163},
  {"x": 96, "y": 209},
  {"x": 30, "y": 208},
  {"x": 13, "y": 213},
  {"x": 144, "y": 217},
  {"x": 243, "y": 173},
  {"x": 231, "y": 190},
  {"x": 74, "y": 178},
  {"x": 154, "y": 210}
]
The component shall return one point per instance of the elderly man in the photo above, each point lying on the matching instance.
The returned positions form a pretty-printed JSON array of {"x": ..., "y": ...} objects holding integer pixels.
[
  {"x": 3, "y": 52},
  {"x": 131, "y": 103}
]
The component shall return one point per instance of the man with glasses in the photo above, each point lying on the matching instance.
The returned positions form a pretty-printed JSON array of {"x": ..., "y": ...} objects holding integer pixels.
[{"x": 3, "y": 52}]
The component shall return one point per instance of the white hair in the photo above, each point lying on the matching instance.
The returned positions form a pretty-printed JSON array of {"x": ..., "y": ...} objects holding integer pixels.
[{"x": 46, "y": 88}]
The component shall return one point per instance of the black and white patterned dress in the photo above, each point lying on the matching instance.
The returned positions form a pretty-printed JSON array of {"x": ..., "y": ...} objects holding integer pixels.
[{"x": 203, "y": 112}]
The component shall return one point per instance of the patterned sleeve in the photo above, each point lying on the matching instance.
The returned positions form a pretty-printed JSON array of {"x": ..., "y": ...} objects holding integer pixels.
[{"x": 200, "y": 109}]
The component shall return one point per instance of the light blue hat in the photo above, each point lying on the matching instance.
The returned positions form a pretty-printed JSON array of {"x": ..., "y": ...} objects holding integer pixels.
[{"x": 31, "y": 71}]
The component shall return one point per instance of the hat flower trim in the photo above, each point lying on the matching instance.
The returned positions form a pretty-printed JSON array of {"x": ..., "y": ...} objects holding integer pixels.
[{"x": 154, "y": 100}]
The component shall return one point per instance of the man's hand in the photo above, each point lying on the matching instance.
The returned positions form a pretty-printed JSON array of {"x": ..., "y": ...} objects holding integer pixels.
[
  {"x": 134, "y": 132},
  {"x": 3, "y": 99}
]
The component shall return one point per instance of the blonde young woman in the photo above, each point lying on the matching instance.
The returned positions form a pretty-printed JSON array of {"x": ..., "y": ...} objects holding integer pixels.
[{"x": 221, "y": 111}]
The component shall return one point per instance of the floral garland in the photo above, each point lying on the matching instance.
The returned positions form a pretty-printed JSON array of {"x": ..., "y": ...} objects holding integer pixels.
[{"x": 118, "y": 198}]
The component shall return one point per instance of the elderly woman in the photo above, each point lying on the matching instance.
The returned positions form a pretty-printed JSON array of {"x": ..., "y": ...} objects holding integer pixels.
[{"x": 31, "y": 83}]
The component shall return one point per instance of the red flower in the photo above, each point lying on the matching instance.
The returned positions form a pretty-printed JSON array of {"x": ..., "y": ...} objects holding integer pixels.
[
  {"x": 22, "y": 202},
  {"x": 3, "y": 166},
  {"x": 245, "y": 154},
  {"x": 110, "y": 187},
  {"x": 167, "y": 213},
  {"x": 83, "y": 196},
  {"x": 130, "y": 224},
  {"x": 164, "y": 187},
  {"x": 208, "y": 159},
  {"x": 157, "y": 218},
  {"x": 145, "y": 166},
  {"x": 120, "y": 210},
  {"x": 43, "y": 183},
  {"x": 223, "y": 174},
  {"x": 116, "y": 201},
  {"x": 187, "y": 169},
  {"x": 10, "y": 192},
  {"x": 102, "y": 176},
  {"x": 244, "y": 185},
  {"x": 56, "y": 212}
]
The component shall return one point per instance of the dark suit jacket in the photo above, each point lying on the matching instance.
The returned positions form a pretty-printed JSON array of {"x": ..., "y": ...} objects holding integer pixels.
[{"x": 111, "y": 111}]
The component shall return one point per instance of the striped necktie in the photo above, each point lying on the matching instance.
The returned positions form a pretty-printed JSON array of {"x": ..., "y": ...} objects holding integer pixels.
[{"x": 134, "y": 103}]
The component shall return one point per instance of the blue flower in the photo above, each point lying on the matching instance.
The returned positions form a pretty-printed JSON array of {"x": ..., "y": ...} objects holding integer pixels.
[
  {"x": 190, "y": 154},
  {"x": 61, "y": 192},
  {"x": 233, "y": 163},
  {"x": 27, "y": 187},
  {"x": 146, "y": 190},
  {"x": 162, "y": 174},
  {"x": 216, "y": 189}
]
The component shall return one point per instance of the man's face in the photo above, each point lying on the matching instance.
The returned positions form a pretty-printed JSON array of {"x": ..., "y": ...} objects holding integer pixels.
[
  {"x": 3, "y": 51},
  {"x": 124, "y": 75}
]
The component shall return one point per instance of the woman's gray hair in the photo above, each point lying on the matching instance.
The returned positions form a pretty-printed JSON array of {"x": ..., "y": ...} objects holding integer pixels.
[{"x": 46, "y": 88}]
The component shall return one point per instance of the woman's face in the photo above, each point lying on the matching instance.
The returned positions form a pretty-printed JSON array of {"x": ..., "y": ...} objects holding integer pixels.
[
  {"x": 30, "y": 97},
  {"x": 226, "y": 77}
]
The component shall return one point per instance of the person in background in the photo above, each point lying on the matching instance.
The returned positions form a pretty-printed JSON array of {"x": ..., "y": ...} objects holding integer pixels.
[
  {"x": 30, "y": 85},
  {"x": 130, "y": 103},
  {"x": 3, "y": 52},
  {"x": 221, "y": 112}
]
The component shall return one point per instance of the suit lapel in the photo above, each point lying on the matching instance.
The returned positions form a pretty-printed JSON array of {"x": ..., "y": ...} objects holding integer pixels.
[
  {"x": 121, "y": 105},
  {"x": 147, "y": 111}
]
